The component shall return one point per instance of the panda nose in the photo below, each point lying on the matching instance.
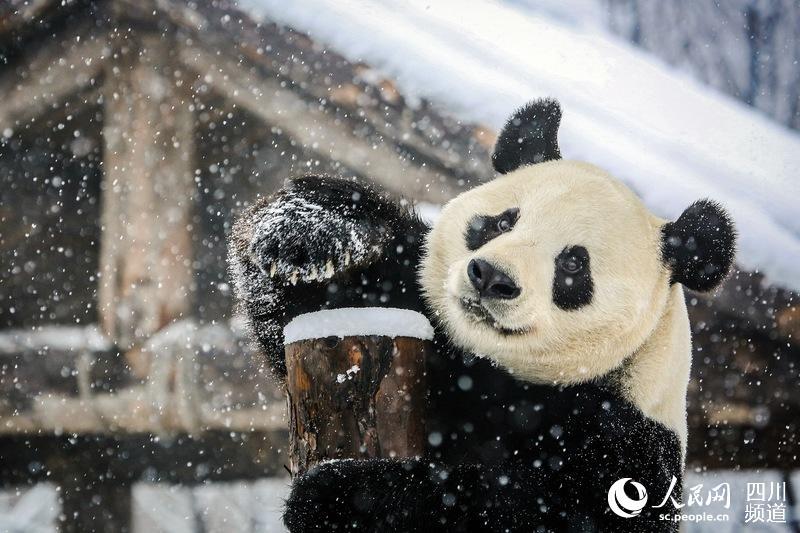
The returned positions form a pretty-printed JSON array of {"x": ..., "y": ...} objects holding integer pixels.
[{"x": 491, "y": 282}]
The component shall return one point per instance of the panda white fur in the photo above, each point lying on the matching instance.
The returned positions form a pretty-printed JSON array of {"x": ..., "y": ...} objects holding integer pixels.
[{"x": 567, "y": 288}]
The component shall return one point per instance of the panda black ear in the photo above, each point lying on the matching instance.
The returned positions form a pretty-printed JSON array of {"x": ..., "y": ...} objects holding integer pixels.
[
  {"x": 700, "y": 246},
  {"x": 529, "y": 136}
]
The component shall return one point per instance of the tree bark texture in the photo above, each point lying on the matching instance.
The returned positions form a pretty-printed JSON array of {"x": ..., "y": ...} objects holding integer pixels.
[{"x": 356, "y": 397}]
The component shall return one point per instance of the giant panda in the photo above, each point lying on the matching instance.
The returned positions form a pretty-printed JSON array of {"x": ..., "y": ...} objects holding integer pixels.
[{"x": 563, "y": 343}]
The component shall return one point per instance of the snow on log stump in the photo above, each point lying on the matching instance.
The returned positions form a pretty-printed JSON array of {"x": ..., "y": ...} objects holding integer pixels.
[{"x": 355, "y": 384}]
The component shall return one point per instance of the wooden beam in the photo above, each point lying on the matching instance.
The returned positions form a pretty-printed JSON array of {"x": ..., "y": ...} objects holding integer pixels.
[
  {"x": 187, "y": 378},
  {"x": 223, "y": 455},
  {"x": 315, "y": 128},
  {"x": 46, "y": 79},
  {"x": 148, "y": 194},
  {"x": 372, "y": 105},
  {"x": 131, "y": 411}
]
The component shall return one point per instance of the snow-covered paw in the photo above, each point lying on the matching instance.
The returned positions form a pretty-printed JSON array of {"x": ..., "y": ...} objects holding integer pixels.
[
  {"x": 309, "y": 257},
  {"x": 296, "y": 240}
]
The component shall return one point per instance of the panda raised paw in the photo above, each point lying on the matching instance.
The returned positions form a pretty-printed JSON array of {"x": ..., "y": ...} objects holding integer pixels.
[{"x": 300, "y": 236}]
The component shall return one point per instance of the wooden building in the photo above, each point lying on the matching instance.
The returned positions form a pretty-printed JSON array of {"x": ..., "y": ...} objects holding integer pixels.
[{"x": 131, "y": 133}]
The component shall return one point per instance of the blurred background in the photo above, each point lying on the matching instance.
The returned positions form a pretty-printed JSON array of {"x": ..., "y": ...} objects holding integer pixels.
[{"x": 133, "y": 131}]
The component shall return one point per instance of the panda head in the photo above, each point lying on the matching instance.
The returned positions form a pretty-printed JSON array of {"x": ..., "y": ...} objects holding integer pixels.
[{"x": 555, "y": 269}]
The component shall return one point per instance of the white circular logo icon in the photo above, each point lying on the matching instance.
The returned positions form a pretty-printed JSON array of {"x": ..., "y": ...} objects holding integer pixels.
[{"x": 621, "y": 503}]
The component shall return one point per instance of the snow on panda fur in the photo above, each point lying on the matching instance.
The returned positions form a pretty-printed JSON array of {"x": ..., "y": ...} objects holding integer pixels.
[{"x": 567, "y": 289}]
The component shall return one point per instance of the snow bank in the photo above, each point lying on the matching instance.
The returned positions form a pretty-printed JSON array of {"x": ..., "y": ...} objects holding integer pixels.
[
  {"x": 358, "y": 321},
  {"x": 671, "y": 139}
]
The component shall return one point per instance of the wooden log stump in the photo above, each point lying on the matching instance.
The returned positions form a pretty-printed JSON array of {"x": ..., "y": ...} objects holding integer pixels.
[
  {"x": 356, "y": 385},
  {"x": 93, "y": 506}
]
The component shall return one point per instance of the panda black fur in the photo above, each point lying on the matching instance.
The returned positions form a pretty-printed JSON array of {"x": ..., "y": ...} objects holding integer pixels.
[{"x": 516, "y": 442}]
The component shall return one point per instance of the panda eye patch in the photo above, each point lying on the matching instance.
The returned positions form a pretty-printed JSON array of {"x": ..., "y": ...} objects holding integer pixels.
[
  {"x": 573, "y": 286},
  {"x": 483, "y": 228}
]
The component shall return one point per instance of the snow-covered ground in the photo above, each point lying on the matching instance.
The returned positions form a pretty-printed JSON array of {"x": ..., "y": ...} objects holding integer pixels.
[
  {"x": 670, "y": 138},
  {"x": 256, "y": 507},
  {"x": 242, "y": 507}
]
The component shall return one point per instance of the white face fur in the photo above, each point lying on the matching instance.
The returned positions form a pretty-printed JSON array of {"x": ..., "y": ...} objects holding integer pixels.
[{"x": 603, "y": 307}]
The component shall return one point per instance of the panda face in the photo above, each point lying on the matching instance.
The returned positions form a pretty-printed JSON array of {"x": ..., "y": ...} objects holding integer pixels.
[{"x": 554, "y": 270}]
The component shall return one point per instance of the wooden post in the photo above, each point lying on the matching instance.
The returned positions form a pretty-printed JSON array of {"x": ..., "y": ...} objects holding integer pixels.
[
  {"x": 360, "y": 396},
  {"x": 148, "y": 192},
  {"x": 94, "y": 506}
]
